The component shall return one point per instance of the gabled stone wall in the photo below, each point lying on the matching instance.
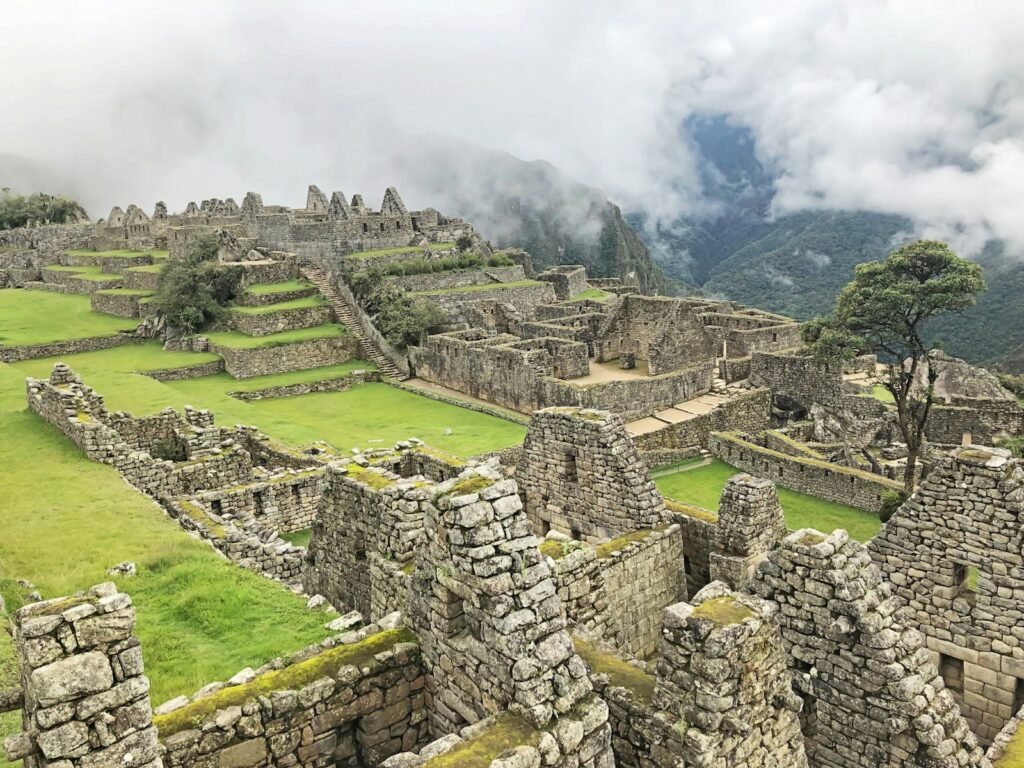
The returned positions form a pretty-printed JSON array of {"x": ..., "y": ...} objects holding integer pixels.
[
  {"x": 580, "y": 474},
  {"x": 872, "y": 695},
  {"x": 955, "y": 555}
]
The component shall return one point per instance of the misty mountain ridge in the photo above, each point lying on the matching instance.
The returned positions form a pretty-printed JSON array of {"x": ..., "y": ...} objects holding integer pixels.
[{"x": 797, "y": 263}]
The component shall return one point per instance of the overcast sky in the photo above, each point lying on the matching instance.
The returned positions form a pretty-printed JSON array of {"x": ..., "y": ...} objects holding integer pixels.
[{"x": 912, "y": 107}]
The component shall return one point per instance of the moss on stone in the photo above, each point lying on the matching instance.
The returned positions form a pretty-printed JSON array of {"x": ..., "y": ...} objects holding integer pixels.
[
  {"x": 507, "y": 732},
  {"x": 199, "y": 516},
  {"x": 688, "y": 510},
  {"x": 556, "y": 549},
  {"x": 810, "y": 539},
  {"x": 975, "y": 454},
  {"x": 1013, "y": 757},
  {"x": 369, "y": 477},
  {"x": 606, "y": 549},
  {"x": 292, "y": 678},
  {"x": 722, "y": 611},
  {"x": 468, "y": 485},
  {"x": 620, "y": 672}
]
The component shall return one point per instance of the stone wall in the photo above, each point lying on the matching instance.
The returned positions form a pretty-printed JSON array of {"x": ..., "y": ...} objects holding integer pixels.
[
  {"x": 115, "y": 302},
  {"x": 580, "y": 474},
  {"x": 286, "y": 502},
  {"x": 456, "y": 278},
  {"x": 615, "y": 593},
  {"x": 266, "y": 323},
  {"x": 797, "y": 378},
  {"x": 699, "y": 527},
  {"x": 523, "y": 297},
  {"x": 338, "y": 384},
  {"x": 982, "y": 419},
  {"x": 750, "y": 524},
  {"x": 567, "y": 280},
  {"x": 955, "y": 554},
  {"x": 261, "y": 361},
  {"x": 70, "y": 347},
  {"x": 139, "y": 279},
  {"x": 872, "y": 695},
  {"x": 52, "y": 238},
  {"x": 834, "y": 482},
  {"x": 748, "y": 412},
  {"x": 353, "y": 700},
  {"x": 666, "y": 333},
  {"x": 86, "y": 699}
]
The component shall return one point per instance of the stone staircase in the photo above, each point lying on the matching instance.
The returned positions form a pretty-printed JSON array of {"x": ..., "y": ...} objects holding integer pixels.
[{"x": 348, "y": 316}]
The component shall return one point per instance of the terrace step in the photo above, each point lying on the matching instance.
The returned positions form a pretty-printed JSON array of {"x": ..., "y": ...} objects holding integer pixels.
[{"x": 346, "y": 315}]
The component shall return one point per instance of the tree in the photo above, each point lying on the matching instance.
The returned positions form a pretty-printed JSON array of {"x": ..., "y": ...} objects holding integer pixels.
[
  {"x": 193, "y": 291},
  {"x": 885, "y": 310},
  {"x": 406, "y": 322},
  {"x": 39, "y": 208}
]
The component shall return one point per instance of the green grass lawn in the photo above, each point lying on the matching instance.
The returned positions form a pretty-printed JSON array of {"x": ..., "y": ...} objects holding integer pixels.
[
  {"x": 594, "y": 294},
  {"x": 235, "y": 340},
  {"x": 299, "y": 538},
  {"x": 304, "y": 303},
  {"x": 90, "y": 272},
  {"x": 368, "y": 416},
  {"x": 39, "y": 317},
  {"x": 476, "y": 288},
  {"x": 702, "y": 486},
  {"x": 67, "y": 519},
  {"x": 881, "y": 393},
  {"x": 118, "y": 254},
  {"x": 158, "y": 267},
  {"x": 395, "y": 251},
  {"x": 289, "y": 285}
]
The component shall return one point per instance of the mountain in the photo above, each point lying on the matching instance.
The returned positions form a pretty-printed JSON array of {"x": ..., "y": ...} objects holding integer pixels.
[
  {"x": 531, "y": 205},
  {"x": 797, "y": 263}
]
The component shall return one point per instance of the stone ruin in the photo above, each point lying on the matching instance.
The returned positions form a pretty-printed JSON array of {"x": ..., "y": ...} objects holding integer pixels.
[{"x": 543, "y": 602}]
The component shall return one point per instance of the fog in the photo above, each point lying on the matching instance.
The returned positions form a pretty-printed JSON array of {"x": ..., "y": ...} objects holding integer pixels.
[{"x": 908, "y": 107}]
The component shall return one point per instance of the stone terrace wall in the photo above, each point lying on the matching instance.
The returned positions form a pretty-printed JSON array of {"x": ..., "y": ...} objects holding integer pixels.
[
  {"x": 982, "y": 419},
  {"x": 353, "y": 703},
  {"x": 632, "y": 398},
  {"x": 580, "y": 474},
  {"x": 834, "y": 482},
  {"x": 799, "y": 378},
  {"x": 72, "y": 347},
  {"x": 965, "y": 518},
  {"x": 86, "y": 700},
  {"x": 48, "y": 237},
  {"x": 699, "y": 527},
  {"x": 872, "y": 695},
  {"x": 618, "y": 597},
  {"x": 274, "y": 322},
  {"x": 523, "y": 297},
  {"x": 120, "y": 304},
  {"x": 433, "y": 281},
  {"x": 286, "y": 502},
  {"x": 749, "y": 412},
  {"x": 315, "y": 353}
]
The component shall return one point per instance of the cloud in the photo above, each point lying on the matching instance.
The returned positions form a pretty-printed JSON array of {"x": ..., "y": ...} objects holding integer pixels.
[{"x": 912, "y": 107}]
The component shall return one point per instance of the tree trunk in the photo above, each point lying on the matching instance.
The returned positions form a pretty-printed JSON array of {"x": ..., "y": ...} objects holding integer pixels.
[{"x": 909, "y": 472}]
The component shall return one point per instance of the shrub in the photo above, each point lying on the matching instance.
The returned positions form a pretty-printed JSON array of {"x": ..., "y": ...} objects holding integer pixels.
[
  {"x": 407, "y": 322},
  {"x": 193, "y": 291},
  {"x": 891, "y": 501}
]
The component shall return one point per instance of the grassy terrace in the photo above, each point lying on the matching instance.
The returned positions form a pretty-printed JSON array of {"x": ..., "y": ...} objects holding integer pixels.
[
  {"x": 476, "y": 288},
  {"x": 259, "y": 289},
  {"x": 396, "y": 251},
  {"x": 305, "y": 303},
  {"x": 40, "y": 317},
  {"x": 235, "y": 340},
  {"x": 702, "y": 485},
  {"x": 91, "y": 272},
  {"x": 66, "y": 520},
  {"x": 156, "y": 254},
  {"x": 367, "y": 416},
  {"x": 594, "y": 294},
  {"x": 125, "y": 292}
]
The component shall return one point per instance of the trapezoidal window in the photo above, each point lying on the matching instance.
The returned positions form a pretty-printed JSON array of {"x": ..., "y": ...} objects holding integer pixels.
[
  {"x": 366, "y": 228},
  {"x": 569, "y": 471},
  {"x": 965, "y": 580},
  {"x": 1018, "y": 696},
  {"x": 382, "y": 226},
  {"x": 952, "y": 670}
]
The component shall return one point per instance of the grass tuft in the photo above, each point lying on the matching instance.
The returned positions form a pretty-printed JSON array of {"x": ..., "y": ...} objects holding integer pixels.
[
  {"x": 507, "y": 732},
  {"x": 722, "y": 611}
]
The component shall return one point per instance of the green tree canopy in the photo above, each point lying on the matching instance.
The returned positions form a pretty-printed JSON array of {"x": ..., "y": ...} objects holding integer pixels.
[
  {"x": 40, "y": 208},
  {"x": 193, "y": 291},
  {"x": 885, "y": 310}
]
